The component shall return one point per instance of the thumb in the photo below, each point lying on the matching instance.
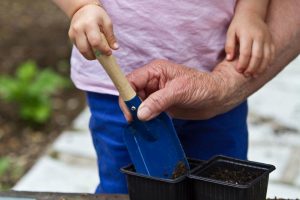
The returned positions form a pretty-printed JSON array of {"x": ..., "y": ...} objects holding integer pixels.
[{"x": 155, "y": 104}]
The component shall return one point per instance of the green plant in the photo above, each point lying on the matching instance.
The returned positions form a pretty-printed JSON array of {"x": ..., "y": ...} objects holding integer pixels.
[
  {"x": 4, "y": 165},
  {"x": 31, "y": 90},
  {"x": 10, "y": 172}
]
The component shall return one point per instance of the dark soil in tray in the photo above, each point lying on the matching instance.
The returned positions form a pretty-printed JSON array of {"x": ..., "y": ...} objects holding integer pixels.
[
  {"x": 235, "y": 176},
  {"x": 34, "y": 30}
]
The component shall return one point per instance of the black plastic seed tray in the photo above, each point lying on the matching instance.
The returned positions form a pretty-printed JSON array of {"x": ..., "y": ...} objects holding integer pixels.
[
  {"x": 224, "y": 178},
  {"x": 141, "y": 187}
]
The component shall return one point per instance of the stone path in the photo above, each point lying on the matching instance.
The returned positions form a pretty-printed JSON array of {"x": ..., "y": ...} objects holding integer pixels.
[{"x": 274, "y": 123}]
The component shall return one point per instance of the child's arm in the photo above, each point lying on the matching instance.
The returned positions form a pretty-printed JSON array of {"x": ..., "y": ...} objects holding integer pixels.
[
  {"x": 91, "y": 27},
  {"x": 249, "y": 32}
]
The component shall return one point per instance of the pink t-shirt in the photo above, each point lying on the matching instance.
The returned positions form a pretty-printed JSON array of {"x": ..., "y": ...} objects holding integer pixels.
[{"x": 189, "y": 32}]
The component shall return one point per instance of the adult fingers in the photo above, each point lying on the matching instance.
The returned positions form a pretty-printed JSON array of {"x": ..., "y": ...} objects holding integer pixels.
[
  {"x": 140, "y": 78},
  {"x": 156, "y": 103}
]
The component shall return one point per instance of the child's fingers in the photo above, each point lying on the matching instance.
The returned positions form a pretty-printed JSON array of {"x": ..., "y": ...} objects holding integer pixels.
[
  {"x": 245, "y": 54},
  {"x": 256, "y": 58},
  {"x": 83, "y": 46},
  {"x": 97, "y": 40},
  {"x": 109, "y": 33},
  {"x": 266, "y": 60},
  {"x": 230, "y": 45},
  {"x": 273, "y": 52}
]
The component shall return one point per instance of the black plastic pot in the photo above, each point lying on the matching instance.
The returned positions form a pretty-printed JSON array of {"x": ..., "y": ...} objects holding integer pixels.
[
  {"x": 219, "y": 179},
  {"x": 141, "y": 187}
]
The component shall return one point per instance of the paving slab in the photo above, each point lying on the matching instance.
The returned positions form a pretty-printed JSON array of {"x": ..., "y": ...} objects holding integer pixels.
[
  {"x": 68, "y": 166},
  {"x": 54, "y": 175},
  {"x": 76, "y": 143},
  {"x": 283, "y": 191}
]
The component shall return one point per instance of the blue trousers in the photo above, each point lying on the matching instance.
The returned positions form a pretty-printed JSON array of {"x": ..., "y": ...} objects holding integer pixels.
[{"x": 225, "y": 134}]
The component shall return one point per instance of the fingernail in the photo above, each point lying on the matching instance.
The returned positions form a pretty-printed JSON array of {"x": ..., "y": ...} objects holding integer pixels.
[
  {"x": 144, "y": 113},
  {"x": 116, "y": 45},
  {"x": 239, "y": 69},
  {"x": 228, "y": 57}
]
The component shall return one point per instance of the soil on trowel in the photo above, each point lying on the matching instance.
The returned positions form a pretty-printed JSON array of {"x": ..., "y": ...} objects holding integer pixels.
[{"x": 180, "y": 170}]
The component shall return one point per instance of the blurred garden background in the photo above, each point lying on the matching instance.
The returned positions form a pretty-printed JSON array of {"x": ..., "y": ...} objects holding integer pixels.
[
  {"x": 37, "y": 98},
  {"x": 44, "y": 139}
]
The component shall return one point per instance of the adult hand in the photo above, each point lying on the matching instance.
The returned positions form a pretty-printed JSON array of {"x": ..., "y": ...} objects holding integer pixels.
[
  {"x": 190, "y": 94},
  {"x": 183, "y": 92}
]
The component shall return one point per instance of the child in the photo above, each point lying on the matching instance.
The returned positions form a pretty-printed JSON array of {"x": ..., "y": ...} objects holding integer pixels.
[
  {"x": 191, "y": 32},
  {"x": 250, "y": 32}
]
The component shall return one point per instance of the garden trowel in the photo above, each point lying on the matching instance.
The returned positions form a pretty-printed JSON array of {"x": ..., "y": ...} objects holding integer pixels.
[{"x": 153, "y": 146}]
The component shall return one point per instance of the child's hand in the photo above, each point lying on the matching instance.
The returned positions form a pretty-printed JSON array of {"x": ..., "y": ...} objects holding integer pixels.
[
  {"x": 250, "y": 34},
  {"x": 91, "y": 28}
]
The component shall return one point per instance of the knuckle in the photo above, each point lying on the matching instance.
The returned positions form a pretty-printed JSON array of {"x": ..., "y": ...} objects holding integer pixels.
[
  {"x": 76, "y": 27},
  {"x": 105, "y": 50},
  {"x": 94, "y": 41},
  {"x": 156, "y": 102}
]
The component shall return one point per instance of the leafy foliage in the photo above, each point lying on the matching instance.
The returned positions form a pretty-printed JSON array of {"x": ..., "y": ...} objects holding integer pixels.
[
  {"x": 31, "y": 90},
  {"x": 4, "y": 165},
  {"x": 10, "y": 171}
]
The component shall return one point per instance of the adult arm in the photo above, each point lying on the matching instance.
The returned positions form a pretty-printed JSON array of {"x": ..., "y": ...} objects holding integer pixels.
[{"x": 189, "y": 94}]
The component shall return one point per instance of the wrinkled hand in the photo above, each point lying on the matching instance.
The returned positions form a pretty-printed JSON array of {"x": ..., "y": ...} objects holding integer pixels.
[
  {"x": 183, "y": 92},
  {"x": 249, "y": 35},
  {"x": 91, "y": 28}
]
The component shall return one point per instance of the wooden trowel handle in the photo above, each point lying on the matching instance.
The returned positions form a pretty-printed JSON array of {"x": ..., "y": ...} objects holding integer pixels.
[{"x": 113, "y": 70}]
